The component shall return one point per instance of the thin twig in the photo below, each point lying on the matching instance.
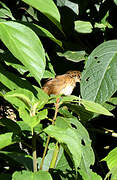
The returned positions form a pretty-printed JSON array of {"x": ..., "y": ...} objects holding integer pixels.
[
  {"x": 44, "y": 154},
  {"x": 48, "y": 138},
  {"x": 34, "y": 151}
]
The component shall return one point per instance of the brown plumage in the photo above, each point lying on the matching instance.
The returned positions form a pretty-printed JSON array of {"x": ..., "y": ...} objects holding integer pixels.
[{"x": 62, "y": 84}]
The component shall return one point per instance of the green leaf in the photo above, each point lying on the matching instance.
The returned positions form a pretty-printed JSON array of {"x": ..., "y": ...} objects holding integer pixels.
[
  {"x": 25, "y": 46},
  {"x": 113, "y": 100},
  {"x": 10, "y": 125},
  {"x": 82, "y": 113},
  {"x": 47, "y": 160},
  {"x": 40, "y": 175},
  {"x": 75, "y": 56},
  {"x": 21, "y": 97},
  {"x": 70, "y": 98},
  {"x": 111, "y": 158},
  {"x": 45, "y": 33},
  {"x": 43, "y": 114},
  {"x": 12, "y": 81},
  {"x": 20, "y": 158},
  {"x": 88, "y": 157},
  {"x": 69, "y": 137},
  {"x": 95, "y": 107},
  {"x": 49, "y": 72},
  {"x": 10, "y": 60},
  {"x": 42, "y": 96},
  {"x": 32, "y": 12},
  {"x": 115, "y": 1},
  {"x": 62, "y": 162},
  {"x": 6, "y": 140},
  {"x": 100, "y": 25},
  {"x": 65, "y": 112},
  {"x": 40, "y": 31},
  {"x": 5, "y": 12},
  {"x": 32, "y": 121},
  {"x": 72, "y": 5},
  {"x": 99, "y": 79},
  {"x": 23, "y": 126},
  {"x": 104, "y": 21},
  {"x": 92, "y": 176},
  {"x": 83, "y": 27},
  {"x": 48, "y": 8}
]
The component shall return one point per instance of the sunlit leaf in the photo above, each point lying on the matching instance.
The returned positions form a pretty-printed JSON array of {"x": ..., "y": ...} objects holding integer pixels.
[
  {"x": 99, "y": 79},
  {"x": 40, "y": 175},
  {"x": 48, "y": 8},
  {"x": 6, "y": 140},
  {"x": 25, "y": 45},
  {"x": 95, "y": 107},
  {"x": 75, "y": 56},
  {"x": 69, "y": 137},
  {"x": 83, "y": 27}
]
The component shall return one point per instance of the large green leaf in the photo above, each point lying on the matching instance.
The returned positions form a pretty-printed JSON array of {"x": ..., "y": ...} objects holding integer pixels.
[
  {"x": 40, "y": 31},
  {"x": 69, "y": 137},
  {"x": 99, "y": 79},
  {"x": 48, "y": 8},
  {"x": 40, "y": 175},
  {"x": 25, "y": 45},
  {"x": 88, "y": 157}
]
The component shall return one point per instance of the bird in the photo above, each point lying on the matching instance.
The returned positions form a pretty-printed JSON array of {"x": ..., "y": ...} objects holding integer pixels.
[{"x": 62, "y": 84}]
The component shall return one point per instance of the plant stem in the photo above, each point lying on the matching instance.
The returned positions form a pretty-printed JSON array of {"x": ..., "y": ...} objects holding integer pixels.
[
  {"x": 44, "y": 154},
  {"x": 48, "y": 138},
  {"x": 54, "y": 157},
  {"x": 34, "y": 151}
]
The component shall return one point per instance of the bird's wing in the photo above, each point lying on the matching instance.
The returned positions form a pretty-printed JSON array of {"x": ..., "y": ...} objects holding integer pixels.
[{"x": 55, "y": 85}]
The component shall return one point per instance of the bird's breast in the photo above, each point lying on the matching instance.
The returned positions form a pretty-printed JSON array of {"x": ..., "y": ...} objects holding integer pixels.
[{"x": 67, "y": 90}]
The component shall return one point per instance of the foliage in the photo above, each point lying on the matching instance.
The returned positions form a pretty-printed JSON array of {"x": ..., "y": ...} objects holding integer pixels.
[{"x": 39, "y": 39}]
